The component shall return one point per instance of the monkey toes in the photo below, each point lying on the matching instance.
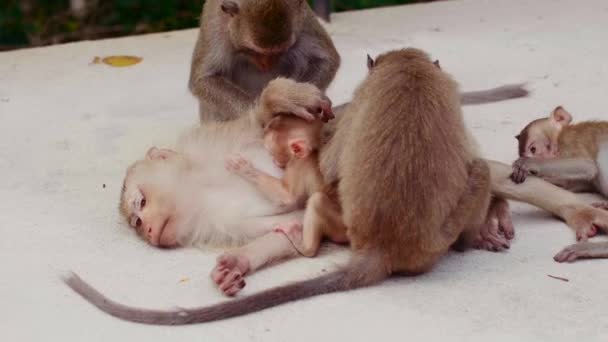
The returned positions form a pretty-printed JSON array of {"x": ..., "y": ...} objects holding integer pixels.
[
  {"x": 494, "y": 235},
  {"x": 229, "y": 272}
]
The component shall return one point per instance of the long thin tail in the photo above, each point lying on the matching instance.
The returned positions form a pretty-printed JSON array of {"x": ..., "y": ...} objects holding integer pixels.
[
  {"x": 360, "y": 272},
  {"x": 503, "y": 93}
]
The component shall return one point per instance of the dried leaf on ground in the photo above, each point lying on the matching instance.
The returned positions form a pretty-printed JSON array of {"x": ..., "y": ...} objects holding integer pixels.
[{"x": 121, "y": 61}]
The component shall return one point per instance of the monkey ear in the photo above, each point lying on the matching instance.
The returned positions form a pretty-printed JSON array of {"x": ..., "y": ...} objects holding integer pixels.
[
  {"x": 299, "y": 147},
  {"x": 370, "y": 62},
  {"x": 155, "y": 153},
  {"x": 561, "y": 116},
  {"x": 436, "y": 62},
  {"x": 230, "y": 7}
]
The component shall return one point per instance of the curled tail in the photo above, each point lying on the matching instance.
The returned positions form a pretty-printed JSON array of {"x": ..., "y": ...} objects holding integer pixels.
[
  {"x": 503, "y": 93},
  {"x": 361, "y": 271}
]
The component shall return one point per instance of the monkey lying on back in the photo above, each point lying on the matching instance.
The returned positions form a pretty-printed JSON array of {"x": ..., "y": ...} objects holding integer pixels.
[
  {"x": 572, "y": 156},
  {"x": 294, "y": 145},
  {"x": 242, "y": 45},
  {"x": 405, "y": 131}
]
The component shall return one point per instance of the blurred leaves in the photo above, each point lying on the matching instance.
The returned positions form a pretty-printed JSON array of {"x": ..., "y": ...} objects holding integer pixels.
[{"x": 43, "y": 22}]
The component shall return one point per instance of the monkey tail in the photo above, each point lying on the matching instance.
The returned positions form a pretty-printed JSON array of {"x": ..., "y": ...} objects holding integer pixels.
[
  {"x": 503, "y": 93},
  {"x": 361, "y": 271}
]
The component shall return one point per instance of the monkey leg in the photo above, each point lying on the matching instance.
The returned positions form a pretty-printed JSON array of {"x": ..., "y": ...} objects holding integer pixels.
[
  {"x": 582, "y": 250},
  {"x": 233, "y": 265},
  {"x": 322, "y": 217},
  {"x": 463, "y": 224},
  {"x": 583, "y": 218}
]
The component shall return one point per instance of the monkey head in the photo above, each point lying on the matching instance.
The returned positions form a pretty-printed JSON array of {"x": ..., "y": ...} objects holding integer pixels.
[
  {"x": 288, "y": 138},
  {"x": 539, "y": 138},
  {"x": 149, "y": 196},
  {"x": 262, "y": 30}
]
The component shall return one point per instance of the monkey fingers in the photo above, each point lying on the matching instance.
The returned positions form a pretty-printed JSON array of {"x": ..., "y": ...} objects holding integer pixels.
[
  {"x": 569, "y": 254},
  {"x": 228, "y": 273},
  {"x": 521, "y": 170}
]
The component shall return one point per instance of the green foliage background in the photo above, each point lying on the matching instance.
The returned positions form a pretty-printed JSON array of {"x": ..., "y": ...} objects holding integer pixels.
[{"x": 43, "y": 22}]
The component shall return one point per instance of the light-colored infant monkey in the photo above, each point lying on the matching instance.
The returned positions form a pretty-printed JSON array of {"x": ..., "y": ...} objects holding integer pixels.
[
  {"x": 187, "y": 198},
  {"x": 294, "y": 145},
  {"x": 572, "y": 156}
]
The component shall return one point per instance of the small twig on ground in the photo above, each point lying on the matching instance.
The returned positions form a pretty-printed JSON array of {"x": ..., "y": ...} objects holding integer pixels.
[{"x": 558, "y": 278}]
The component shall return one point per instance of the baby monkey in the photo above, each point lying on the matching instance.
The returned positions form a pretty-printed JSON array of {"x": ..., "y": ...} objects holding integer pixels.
[
  {"x": 294, "y": 145},
  {"x": 572, "y": 156}
]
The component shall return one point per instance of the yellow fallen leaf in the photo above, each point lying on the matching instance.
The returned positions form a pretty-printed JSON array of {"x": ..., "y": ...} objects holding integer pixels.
[
  {"x": 121, "y": 61},
  {"x": 183, "y": 280}
]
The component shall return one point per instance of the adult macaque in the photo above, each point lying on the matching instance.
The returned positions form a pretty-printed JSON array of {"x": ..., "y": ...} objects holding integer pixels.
[
  {"x": 294, "y": 145},
  {"x": 411, "y": 186},
  {"x": 572, "y": 156},
  {"x": 243, "y": 44}
]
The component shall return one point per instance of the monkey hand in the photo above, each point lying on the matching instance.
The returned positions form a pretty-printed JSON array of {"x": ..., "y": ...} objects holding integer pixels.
[
  {"x": 586, "y": 221},
  {"x": 303, "y": 100},
  {"x": 521, "y": 169},
  {"x": 240, "y": 166},
  {"x": 571, "y": 253}
]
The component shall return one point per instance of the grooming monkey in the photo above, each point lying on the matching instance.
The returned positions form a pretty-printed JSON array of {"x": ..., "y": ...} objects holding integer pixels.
[
  {"x": 405, "y": 131},
  {"x": 572, "y": 156},
  {"x": 243, "y": 44},
  {"x": 294, "y": 145}
]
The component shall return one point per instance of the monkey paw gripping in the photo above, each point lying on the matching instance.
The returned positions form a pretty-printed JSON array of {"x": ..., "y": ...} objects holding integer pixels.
[
  {"x": 240, "y": 166},
  {"x": 521, "y": 170},
  {"x": 304, "y": 100},
  {"x": 229, "y": 273}
]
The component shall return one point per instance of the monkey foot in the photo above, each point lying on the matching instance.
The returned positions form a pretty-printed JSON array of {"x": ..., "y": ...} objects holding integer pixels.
[
  {"x": 568, "y": 254},
  {"x": 229, "y": 272},
  {"x": 293, "y": 231},
  {"x": 583, "y": 234},
  {"x": 490, "y": 238}
]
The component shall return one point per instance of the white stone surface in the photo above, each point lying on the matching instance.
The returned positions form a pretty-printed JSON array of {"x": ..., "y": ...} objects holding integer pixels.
[{"x": 67, "y": 128}]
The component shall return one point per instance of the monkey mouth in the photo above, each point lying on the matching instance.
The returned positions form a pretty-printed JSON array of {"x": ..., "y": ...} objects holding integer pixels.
[{"x": 164, "y": 239}]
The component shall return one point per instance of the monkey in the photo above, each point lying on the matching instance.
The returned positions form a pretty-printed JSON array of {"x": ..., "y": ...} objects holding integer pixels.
[
  {"x": 184, "y": 197},
  {"x": 294, "y": 144},
  {"x": 572, "y": 156},
  {"x": 243, "y": 44},
  {"x": 410, "y": 186}
]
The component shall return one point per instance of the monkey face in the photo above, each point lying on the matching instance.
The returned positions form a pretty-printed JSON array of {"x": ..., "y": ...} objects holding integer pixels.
[{"x": 148, "y": 201}]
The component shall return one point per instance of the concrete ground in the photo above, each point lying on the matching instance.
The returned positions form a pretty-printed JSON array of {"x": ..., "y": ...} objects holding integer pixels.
[{"x": 69, "y": 129}]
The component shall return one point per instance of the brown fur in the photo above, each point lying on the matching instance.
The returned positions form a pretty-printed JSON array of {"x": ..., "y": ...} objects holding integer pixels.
[
  {"x": 405, "y": 132},
  {"x": 237, "y": 54}
]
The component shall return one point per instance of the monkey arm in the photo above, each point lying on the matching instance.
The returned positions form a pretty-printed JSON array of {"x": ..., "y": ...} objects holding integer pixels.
[
  {"x": 562, "y": 203},
  {"x": 219, "y": 97},
  {"x": 559, "y": 170}
]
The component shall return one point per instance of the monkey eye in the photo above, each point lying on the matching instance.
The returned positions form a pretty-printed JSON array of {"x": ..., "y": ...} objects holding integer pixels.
[
  {"x": 139, "y": 202},
  {"x": 135, "y": 221}
]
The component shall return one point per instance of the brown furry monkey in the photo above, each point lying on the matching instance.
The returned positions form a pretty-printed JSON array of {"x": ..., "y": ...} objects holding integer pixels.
[
  {"x": 294, "y": 145},
  {"x": 243, "y": 44},
  {"x": 572, "y": 156},
  {"x": 410, "y": 187}
]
